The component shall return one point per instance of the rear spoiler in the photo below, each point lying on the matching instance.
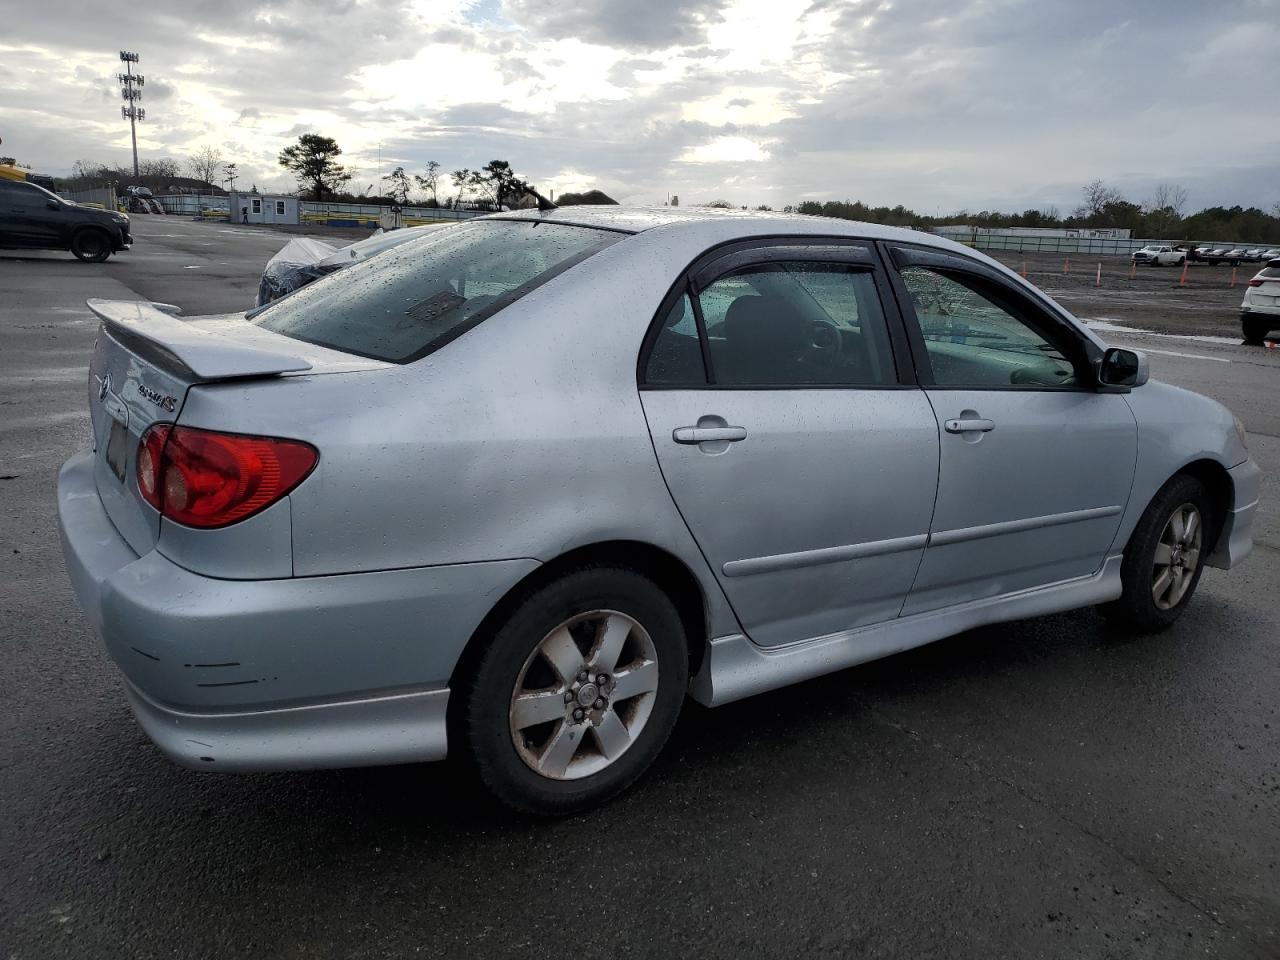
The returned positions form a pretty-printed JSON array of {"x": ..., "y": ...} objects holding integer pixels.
[{"x": 151, "y": 330}]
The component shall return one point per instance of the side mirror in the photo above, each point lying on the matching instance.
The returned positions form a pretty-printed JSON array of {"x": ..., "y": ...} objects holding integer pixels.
[
  {"x": 1123, "y": 369},
  {"x": 53, "y": 204}
]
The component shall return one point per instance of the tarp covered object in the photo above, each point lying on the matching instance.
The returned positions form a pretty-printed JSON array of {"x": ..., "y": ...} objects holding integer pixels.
[{"x": 293, "y": 266}]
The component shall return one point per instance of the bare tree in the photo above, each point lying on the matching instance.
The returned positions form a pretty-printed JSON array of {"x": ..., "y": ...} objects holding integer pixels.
[
  {"x": 1097, "y": 197},
  {"x": 87, "y": 169},
  {"x": 398, "y": 185},
  {"x": 161, "y": 169},
  {"x": 461, "y": 180},
  {"x": 204, "y": 164},
  {"x": 1164, "y": 209},
  {"x": 1169, "y": 196},
  {"x": 428, "y": 181}
]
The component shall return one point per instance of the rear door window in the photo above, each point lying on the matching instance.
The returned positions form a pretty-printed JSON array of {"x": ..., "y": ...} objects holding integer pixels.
[
  {"x": 797, "y": 323},
  {"x": 415, "y": 298}
]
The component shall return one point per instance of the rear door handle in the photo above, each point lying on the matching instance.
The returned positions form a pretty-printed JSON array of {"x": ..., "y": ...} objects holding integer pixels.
[
  {"x": 974, "y": 424},
  {"x": 708, "y": 434}
]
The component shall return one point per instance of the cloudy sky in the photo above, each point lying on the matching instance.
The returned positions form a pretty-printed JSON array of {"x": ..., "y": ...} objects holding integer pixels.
[{"x": 937, "y": 104}]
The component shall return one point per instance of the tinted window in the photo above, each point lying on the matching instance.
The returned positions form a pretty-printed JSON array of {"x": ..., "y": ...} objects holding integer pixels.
[
  {"x": 416, "y": 297},
  {"x": 797, "y": 323},
  {"x": 26, "y": 196},
  {"x": 676, "y": 357},
  {"x": 975, "y": 338}
]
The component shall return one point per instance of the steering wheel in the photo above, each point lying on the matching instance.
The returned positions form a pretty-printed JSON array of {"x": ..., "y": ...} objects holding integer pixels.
[{"x": 826, "y": 346}]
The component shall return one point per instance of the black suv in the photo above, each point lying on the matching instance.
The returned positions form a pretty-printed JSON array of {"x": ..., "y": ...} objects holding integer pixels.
[{"x": 32, "y": 217}]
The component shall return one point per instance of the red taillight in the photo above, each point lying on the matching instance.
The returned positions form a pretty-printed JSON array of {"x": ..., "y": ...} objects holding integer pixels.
[
  {"x": 202, "y": 478},
  {"x": 1257, "y": 282}
]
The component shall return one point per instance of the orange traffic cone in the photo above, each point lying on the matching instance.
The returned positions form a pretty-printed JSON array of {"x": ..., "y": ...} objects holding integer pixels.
[
  {"x": 1233, "y": 276},
  {"x": 1182, "y": 282},
  {"x": 1133, "y": 269},
  {"x": 1066, "y": 265},
  {"x": 1023, "y": 272},
  {"x": 1098, "y": 281}
]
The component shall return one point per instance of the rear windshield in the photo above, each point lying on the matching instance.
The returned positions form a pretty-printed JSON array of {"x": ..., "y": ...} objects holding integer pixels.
[
  {"x": 1270, "y": 273},
  {"x": 415, "y": 298}
]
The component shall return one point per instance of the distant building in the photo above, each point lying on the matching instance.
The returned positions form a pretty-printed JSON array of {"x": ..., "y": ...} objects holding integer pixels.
[{"x": 263, "y": 208}]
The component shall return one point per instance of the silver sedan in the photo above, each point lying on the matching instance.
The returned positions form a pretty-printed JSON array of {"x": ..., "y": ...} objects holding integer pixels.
[{"x": 519, "y": 487}]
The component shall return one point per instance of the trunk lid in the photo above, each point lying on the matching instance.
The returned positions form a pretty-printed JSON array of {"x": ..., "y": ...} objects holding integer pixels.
[{"x": 144, "y": 362}]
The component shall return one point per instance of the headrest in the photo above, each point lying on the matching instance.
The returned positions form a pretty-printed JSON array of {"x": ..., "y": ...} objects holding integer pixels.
[{"x": 764, "y": 324}]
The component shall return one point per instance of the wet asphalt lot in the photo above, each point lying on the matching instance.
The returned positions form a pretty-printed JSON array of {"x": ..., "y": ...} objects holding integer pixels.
[{"x": 1037, "y": 789}]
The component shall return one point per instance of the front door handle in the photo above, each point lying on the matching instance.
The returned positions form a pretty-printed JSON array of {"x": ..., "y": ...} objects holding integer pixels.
[
  {"x": 708, "y": 434},
  {"x": 970, "y": 424}
]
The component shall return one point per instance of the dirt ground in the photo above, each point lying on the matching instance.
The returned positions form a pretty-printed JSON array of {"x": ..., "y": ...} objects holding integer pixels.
[{"x": 1207, "y": 306}]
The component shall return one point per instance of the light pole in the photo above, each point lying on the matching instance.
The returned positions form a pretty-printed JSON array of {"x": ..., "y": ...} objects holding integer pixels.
[{"x": 131, "y": 93}]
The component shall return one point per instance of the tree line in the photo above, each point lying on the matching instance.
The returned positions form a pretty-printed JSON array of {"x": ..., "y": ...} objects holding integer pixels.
[{"x": 1162, "y": 216}]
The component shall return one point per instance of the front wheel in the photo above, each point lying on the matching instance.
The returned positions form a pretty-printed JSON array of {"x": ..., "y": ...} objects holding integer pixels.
[
  {"x": 91, "y": 246},
  {"x": 575, "y": 694},
  {"x": 1165, "y": 557}
]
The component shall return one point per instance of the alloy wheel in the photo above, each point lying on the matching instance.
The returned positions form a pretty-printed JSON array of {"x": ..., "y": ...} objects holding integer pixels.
[
  {"x": 1177, "y": 557},
  {"x": 584, "y": 695}
]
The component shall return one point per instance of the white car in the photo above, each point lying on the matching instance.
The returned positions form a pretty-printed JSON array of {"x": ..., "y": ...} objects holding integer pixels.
[
  {"x": 1160, "y": 255},
  {"x": 1260, "y": 311}
]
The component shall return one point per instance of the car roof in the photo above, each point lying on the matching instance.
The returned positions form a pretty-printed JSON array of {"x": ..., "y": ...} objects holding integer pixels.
[{"x": 714, "y": 223}]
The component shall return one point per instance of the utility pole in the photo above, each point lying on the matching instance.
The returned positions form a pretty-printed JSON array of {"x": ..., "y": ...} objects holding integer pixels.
[{"x": 131, "y": 93}]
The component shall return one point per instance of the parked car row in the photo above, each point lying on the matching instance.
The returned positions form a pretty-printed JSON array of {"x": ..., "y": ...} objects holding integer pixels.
[{"x": 1234, "y": 255}]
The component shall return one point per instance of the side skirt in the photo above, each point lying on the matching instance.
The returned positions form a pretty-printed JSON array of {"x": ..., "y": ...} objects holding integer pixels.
[{"x": 735, "y": 668}]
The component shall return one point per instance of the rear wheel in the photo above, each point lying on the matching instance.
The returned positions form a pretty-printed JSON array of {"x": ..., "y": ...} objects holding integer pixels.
[
  {"x": 575, "y": 694},
  {"x": 92, "y": 246},
  {"x": 1165, "y": 557},
  {"x": 1255, "y": 329}
]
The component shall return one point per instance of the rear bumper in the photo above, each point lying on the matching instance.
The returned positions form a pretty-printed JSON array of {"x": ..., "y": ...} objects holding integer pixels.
[
  {"x": 1235, "y": 542},
  {"x": 407, "y": 728},
  {"x": 301, "y": 672}
]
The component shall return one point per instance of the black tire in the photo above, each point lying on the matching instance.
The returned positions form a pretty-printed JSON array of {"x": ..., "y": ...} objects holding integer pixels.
[
  {"x": 1136, "y": 609},
  {"x": 1255, "y": 329},
  {"x": 91, "y": 246},
  {"x": 483, "y": 720}
]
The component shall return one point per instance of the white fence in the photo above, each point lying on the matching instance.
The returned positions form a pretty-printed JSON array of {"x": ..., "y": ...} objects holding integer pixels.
[
  {"x": 332, "y": 214},
  {"x": 990, "y": 240},
  {"x": 195, "y": 205},
  {"x": 104, "y": 197}
]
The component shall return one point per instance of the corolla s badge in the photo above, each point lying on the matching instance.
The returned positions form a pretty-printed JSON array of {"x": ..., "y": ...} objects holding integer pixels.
[{"x": 161, "y": 400}]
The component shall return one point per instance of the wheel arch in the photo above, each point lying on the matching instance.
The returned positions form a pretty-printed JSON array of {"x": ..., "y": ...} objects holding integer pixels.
[
  {"x": 1217, "y": 481},
  {"x": 664, "y": 568}
]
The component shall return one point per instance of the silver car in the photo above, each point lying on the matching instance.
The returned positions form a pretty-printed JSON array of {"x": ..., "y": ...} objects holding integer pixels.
[{"x": 518, "y": 488}]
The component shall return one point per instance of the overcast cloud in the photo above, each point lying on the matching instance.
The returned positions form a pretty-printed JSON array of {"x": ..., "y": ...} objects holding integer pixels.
[{"x": 936, "y": 104}]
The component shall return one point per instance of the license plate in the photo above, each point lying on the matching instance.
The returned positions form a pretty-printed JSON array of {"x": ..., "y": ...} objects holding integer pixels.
[{"x": 117, "y": 445}]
